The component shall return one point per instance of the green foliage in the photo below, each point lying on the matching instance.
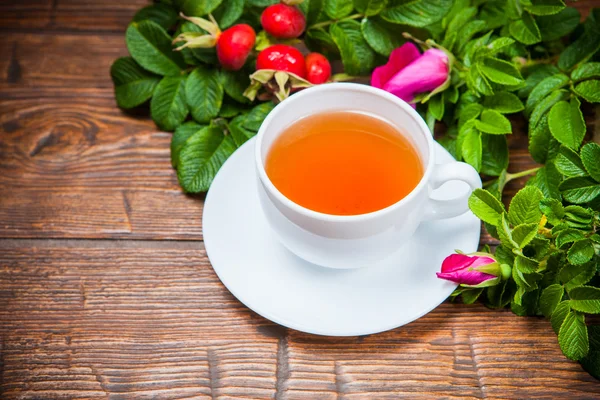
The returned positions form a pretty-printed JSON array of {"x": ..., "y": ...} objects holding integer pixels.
[
  {"x": 358, "y": 57},
  {"x": 133, "y": 84},
  {"x": 150, "y": 45},
  {"x": 168, "y": 106},
  {"x": 418, "y": 13}
]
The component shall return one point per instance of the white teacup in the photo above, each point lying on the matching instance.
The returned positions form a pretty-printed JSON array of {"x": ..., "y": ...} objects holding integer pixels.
[{"x": 355, "y": 241}]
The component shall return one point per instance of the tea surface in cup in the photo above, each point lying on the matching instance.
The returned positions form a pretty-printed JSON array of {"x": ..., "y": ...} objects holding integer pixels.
[{"x": 343, "y": 163}]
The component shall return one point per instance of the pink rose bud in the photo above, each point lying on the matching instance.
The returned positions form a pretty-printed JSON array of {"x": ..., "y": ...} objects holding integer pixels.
[
  {"x": 479, "y": 270},
  {"x": 409, "y": 73}
]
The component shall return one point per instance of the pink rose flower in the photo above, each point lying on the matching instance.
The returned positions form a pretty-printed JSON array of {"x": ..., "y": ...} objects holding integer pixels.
[
  {"x": 409, "y": 72},
  {"x": 479, "y": 270}
]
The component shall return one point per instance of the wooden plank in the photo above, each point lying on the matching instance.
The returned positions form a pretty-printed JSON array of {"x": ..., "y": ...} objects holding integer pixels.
[
  {"x": 108, "y": 16},
  {"x": 80, "y": 167},
  {"x": 135, "y": 320},
  {"x": 34, "y": 61}
]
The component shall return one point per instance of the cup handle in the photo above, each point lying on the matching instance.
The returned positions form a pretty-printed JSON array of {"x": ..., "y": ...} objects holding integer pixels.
[{"x": 453, "y": 171}]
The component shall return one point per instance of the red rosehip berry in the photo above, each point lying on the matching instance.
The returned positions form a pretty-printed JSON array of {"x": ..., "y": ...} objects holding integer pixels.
[
  {"x": 318, "y": 68},
  {"x": 282, "y": 57},
  {"x": 283, "y": 21},
  {"x": 234, "y": 46}
]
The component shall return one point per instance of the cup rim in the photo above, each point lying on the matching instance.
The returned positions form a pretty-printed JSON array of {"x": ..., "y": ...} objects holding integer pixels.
[{"x": 356, "y": 87}]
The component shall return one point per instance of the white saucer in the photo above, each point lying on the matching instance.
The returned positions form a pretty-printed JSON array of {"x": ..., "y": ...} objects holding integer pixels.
[{"x": 276, "y": 284}]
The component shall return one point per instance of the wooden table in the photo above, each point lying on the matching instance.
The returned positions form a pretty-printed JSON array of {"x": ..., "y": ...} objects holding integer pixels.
[{"x": 105, "y": 287}]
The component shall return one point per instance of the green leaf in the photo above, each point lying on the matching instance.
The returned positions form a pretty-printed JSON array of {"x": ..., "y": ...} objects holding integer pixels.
[
  {"x": 525, "y": 30},
  {"x": 503, "y": 102},
  {"x": 337, "y": 9},
  {"x": 466, "y": 33},
  {"x": 369, "y": 7},
  {"x": 527, "y": 266},
  {"x": 150, "y": 45},
  {"x": 581, "y": 49},
  {"x": 230, "y": 109},
  {"x": 545, "y": 7},
  {"x": 573, "y": 337},
  {"x": 201, "y": 157},
  {"x": 499, "y": 45},
  {"x": 313, "y": 10},
  {"x": 589, "y": 90},
  {"x": 235, "y": 83},
  {"x": 204, "y": 94},
  {"x": 505, "y": 233},
  {"x": 523, "y": 234},
  {"x": 524, "y": 207},
  {"x": 500, "y": 295},
  {"x": 471, "y": 148},
  {"x": 478, "y": 82},
  {"x": 542, "y": 146},
  {"x": 168, "y": 106},
  {"x": 559, "y": 315},
  {"x": 460, "y": 19},
  {"x": 590, "y": 156},
  {"x": 357, "y": 56},
  {"x": 486, "y": 207},
  {"x": 238, "y": 132},
  {"x": 468, "y": 113},
  {"x": 567, "y": 124},
  {"x": 585, "y": 71},
  {"x": 181, "y": 135},
  {"x": 495, "y": 147},
  {"x": 591, "y": 363},
  {"x": 579, "y": 215},
  {"x": 550, "y": 298},
  {"x": 568, "y": 235},
  {"x": 581, "y": 252},
  {"x": 547, "y": 180},
  {"x": 261, "y": 3},
  {"x": 553, "y": 210},
  {"x": 585, "y": 299},
  {"x": 493, "y": 12},
  {"x": 580, "y": 190},
  {"x": 577, "y": 275},
  {"x": 500, "y": 71},
  {"x": 229, "y": 12},
  {"x": 257, "y": 115},
  {"x": 536, "y": 74},
  {"x": 543, "y": 89},
  {"x": 379, "y": 37},
  {"x": 545, "y": 105},
  {"x": 569, "y": 163},
  {"x": 133, "y": 85},
  {"x": 553, "y": 27},
  {"x": 163, "y": 14},
  {"x": 197, "y": 8},
  {"x": 493, "y": 122},
  {"x": 317, "y": 39},
  {"x": 436, "y": 106},
  {"x": 470, "y": 296},
  {"x": 417, "y": 13}
]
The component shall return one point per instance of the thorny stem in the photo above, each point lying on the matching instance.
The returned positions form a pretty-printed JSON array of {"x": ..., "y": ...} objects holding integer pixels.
[
  {"x": 325, "y": 23},
  {"x": 517, "y": 175},
  {"x": 510, "y": 177}
]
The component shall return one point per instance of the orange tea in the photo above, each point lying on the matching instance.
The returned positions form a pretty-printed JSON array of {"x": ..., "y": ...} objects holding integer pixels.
[{"x": 343, "y": 163}]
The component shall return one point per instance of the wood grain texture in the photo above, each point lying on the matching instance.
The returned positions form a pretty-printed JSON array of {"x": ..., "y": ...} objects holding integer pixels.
[
  {"x": 82, "y": 16},
  {"x": 80, "y": 167},
  {"x": 135, "y": 320}
]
